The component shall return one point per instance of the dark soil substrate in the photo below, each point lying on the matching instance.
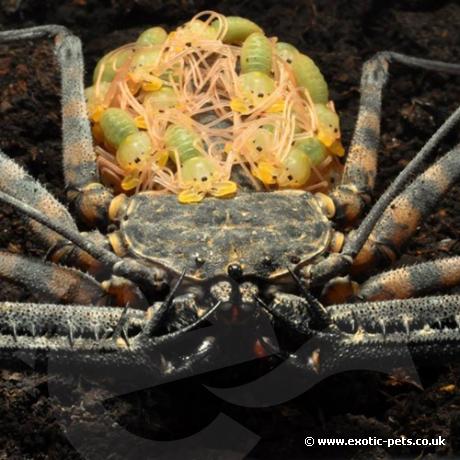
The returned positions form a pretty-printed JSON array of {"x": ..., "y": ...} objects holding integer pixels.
[{"x": 339, "y": 35}]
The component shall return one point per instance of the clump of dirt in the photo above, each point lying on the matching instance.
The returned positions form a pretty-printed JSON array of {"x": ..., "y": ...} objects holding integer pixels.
[{"x": 340, "y": 36}]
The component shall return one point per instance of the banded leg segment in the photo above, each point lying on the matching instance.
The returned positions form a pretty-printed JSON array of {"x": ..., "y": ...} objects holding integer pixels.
[
  {"x": 16, "y": 182},
  {"x": 401, "y": 219},
  {"x": 51, "y": 282},
  {"x": 412, "y": 281},
  {"x": 91, "y": 198},
  {"x": 358, "y": 179},
  {"x": 337, "y": 264}
]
